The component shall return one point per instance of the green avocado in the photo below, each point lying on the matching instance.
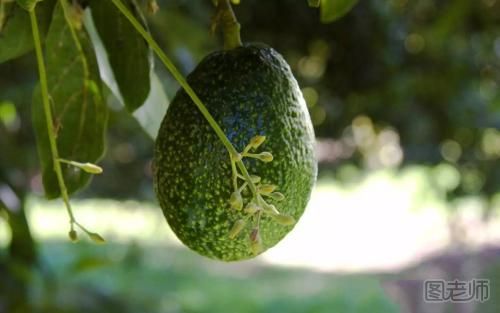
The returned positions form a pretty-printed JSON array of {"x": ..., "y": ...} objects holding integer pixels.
[{"x": 249, "y": 91}]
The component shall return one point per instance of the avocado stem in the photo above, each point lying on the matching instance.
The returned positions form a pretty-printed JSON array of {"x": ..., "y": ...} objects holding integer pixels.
[
  {"x": 230, "y": 26},
  {"x": 234, "y": 172}
]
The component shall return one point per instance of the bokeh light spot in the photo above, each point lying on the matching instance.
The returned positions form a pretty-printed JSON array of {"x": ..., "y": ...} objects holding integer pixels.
[
  {"x": 311, "y": 96},
  {"x": 490, "y": 143},
  {"x": 312, "y": 67},
  {"x": 472, "y": 180},
  {"x": 446, "y": 176},
  {"x": 318, "y": 115},
  {"x": 488, "y": 89},
  {"x": 8, "y": 115},
  {"x": 364, "y": 134},
  {"x": 124, "y": 153},
  {"x": 414, "y": 43},
  {"x": 451, "y": 150}
]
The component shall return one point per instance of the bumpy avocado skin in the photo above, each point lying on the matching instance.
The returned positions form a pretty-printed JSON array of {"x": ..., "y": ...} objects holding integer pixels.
[{"x": 249, "y": 91}]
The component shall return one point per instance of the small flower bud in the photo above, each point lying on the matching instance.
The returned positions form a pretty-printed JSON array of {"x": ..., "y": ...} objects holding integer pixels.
[
  {"x": 95, "y": 237},
  {"x": 86, "y": 167},
  {"x": 265, "y": 157},
  {"x": 236, "y": 229},
  {"x": 73, "y": 235},
  {"x": 256, "y": 247},
  {"x": 284, "y": 219},
  {"x": 266, "y": 189},
  {"x": 271, "y": 209},
  {"x": 236, "y": 201},
  {"x": 278, "y": 196},
  {"x": 256, "y": 242},
  {"x": 256, "y": 141},
  {"x": 251, "y": 208},
  {"x": 255, "y": 179},
  {"x": 91, "y": 168}
]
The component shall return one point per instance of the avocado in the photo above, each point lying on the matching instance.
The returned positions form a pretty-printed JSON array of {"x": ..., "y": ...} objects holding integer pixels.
[{"x": 250, "y": 91}]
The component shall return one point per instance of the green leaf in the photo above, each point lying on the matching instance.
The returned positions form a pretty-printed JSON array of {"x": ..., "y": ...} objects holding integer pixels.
[
  {"x": 332, "y": 10},
  {"x": 79, "y": 112},
  {"x": 128, "y": 54},
  {"x": 151, "y": 113},
  {"x": 15, "y": 28}
]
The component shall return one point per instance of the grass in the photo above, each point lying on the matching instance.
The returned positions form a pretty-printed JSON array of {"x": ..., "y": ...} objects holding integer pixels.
[{"x": 163, "y": 278}]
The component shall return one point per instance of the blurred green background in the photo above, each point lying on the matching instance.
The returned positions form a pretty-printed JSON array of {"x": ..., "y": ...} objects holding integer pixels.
[{"x": 404, "y": 98}]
